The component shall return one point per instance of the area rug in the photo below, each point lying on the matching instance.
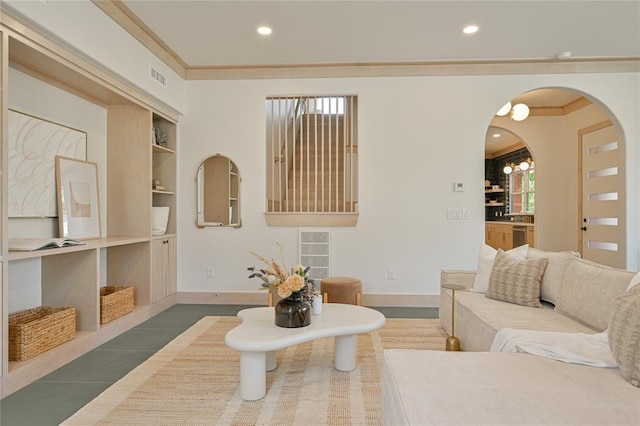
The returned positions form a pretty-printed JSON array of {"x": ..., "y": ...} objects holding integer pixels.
[{"x": 194, "y": 380}]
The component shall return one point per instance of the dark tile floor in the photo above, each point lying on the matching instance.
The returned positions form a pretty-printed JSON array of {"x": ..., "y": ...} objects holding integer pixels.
[{"x": 55, "y": 397}]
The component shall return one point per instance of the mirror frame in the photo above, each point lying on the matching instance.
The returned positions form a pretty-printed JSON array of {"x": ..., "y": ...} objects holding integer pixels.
[{"x": 234, "y": 175}]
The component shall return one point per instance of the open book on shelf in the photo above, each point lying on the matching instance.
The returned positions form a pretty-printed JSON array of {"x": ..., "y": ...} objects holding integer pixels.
[{"x": 30, "y": 244}]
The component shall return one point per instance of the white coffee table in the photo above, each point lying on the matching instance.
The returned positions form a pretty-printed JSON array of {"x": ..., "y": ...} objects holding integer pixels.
[{"x": 258, "y": 338}]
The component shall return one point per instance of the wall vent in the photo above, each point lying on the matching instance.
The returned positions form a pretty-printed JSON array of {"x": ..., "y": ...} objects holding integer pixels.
[
  {"x": 155, "y": 74},
  {"x": 314, "y": 250}
]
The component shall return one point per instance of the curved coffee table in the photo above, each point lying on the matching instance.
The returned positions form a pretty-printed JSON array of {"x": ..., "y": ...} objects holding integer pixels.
[{"x": 258, "y": 338}]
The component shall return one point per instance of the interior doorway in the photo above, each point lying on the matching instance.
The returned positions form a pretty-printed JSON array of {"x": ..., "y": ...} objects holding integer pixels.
[{"x": 561, "y": 123}]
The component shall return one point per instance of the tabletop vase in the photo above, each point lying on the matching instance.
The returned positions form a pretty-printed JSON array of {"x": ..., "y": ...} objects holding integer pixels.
[{"x": 293, "y": 311}]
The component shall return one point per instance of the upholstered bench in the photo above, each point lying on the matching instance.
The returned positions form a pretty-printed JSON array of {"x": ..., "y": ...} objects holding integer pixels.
[{"x": 341, "y": 290}]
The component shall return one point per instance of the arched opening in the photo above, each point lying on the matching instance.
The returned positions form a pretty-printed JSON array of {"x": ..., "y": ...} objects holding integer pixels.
[{"x": 578, "y": 153}]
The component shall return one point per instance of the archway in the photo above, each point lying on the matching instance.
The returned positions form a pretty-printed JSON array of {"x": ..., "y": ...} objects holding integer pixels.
[{"x": 552, "y": 135}]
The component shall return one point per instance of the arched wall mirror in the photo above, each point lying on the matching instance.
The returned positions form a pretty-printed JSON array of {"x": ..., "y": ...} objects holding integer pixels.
[{"x": 218, "y": 193}]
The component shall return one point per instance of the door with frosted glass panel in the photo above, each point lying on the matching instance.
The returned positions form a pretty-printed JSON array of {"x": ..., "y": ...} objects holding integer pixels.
[{"x": 602, "y": 223}]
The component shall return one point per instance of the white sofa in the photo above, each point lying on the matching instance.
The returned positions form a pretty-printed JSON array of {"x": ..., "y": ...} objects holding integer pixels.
[{"x": 480, "y": 387}]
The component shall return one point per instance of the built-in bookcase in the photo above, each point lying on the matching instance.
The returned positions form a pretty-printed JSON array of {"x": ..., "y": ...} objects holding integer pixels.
[{"x": 126, "y": 254}]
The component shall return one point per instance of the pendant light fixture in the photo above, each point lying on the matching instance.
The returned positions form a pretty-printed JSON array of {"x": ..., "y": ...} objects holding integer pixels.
[{"x": 517, "y": 112}]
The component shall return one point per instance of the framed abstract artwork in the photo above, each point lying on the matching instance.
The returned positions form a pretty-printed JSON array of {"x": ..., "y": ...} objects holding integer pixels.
[
  {"x": 33, "y": 144},
  {"x": 78, "y": 200}
]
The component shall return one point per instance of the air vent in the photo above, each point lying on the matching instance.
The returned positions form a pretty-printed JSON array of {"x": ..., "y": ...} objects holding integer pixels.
[
  {"x": 315, "y": 251},
  {"x": 155, "y": 74}
]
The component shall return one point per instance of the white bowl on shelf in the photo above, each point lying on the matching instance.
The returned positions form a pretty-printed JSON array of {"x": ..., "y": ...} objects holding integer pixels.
[{"x": 160, "y": 220}]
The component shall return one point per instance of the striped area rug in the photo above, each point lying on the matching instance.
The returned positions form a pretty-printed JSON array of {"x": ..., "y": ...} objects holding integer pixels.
[{"x": 194, "y": 380}]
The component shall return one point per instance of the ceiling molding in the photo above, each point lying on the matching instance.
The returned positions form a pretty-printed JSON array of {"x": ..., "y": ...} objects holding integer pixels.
[
  {"x": 504, "y": 151},
  {"x": 576, "y": 105},
  {"x": 122, "y": 15},
  {"x": 414, "y": 69},
  {"x": 572, "y": 106}
]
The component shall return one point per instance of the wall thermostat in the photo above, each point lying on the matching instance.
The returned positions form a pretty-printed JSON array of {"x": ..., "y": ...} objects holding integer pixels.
[{"x": 458, "y": 186}]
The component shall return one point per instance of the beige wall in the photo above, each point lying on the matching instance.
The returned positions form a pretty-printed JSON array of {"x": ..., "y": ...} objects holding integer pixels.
[{"x": 553, "y": 142}]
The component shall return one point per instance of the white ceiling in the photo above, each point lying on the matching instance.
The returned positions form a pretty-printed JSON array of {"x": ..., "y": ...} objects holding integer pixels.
[
  {"x": 212, "y": 33},
  {"x": 223, "y": 33}
]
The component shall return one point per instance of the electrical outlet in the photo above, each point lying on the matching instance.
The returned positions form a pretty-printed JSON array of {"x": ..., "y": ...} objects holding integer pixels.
[
  {"x": 391, "y": 274},
  {"x": 211, "y": 272}
]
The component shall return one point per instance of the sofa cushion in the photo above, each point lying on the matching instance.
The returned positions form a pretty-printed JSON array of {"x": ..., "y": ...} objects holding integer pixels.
[
  {"x": 484, "y": 388},
  {"x": 557, "y": 263},
  {"x": 624, "y": 334},
  {"x": 516, "y": 281},
  {"x": 478, "y": 319},
  {"x": 486, "y": 256},
  {"x": 588, "y": 290}
]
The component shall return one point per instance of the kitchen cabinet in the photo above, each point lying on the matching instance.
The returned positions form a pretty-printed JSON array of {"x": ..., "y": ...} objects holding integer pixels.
[{"x": 499, "y": 235}]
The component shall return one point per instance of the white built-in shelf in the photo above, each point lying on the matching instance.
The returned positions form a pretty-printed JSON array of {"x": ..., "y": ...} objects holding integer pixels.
[{"x": 89, "y": 245}]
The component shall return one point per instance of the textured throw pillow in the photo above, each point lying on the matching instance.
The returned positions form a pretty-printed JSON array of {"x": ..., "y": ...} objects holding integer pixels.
[
  {"x": 516, "y": 281},
  {"x": 557, "y": 262},
  {"x": 485, "y": 263},
  {"x": 624, "y": 334}
]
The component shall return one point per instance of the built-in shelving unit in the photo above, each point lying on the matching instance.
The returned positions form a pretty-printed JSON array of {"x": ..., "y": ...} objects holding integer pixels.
[
  {"x": 127, "y": 254},
  {"x": 494, "y": 197}
]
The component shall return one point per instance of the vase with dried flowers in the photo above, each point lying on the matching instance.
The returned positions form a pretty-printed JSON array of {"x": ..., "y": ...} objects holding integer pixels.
[{"x": 293, "y": 285}]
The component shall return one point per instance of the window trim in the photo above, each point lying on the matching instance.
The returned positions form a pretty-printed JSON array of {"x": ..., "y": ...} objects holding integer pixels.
[{"x": 525, "y": 192}]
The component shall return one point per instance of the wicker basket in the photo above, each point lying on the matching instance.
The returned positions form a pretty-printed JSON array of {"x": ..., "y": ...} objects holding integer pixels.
[
  {"x": 37, "y": 330},
  {"x": 115, "y": 301}
]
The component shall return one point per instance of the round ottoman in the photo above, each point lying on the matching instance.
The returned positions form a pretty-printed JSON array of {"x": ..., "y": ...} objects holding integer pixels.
[{"x": 341, "y": 290}]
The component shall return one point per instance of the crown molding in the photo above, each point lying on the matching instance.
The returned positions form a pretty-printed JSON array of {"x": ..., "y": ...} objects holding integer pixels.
[
  {"x": 551, "y": 66},
  {"x": 125, "y": 17}
]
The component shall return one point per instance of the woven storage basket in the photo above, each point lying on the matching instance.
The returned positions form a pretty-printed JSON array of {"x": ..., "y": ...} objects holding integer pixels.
[
  {"x": 115, "y": 301},
  {"x": 37, "y": 330}
]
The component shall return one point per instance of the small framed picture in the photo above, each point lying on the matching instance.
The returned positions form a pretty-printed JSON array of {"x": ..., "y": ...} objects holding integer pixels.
[{"x": 78, "y": 201}]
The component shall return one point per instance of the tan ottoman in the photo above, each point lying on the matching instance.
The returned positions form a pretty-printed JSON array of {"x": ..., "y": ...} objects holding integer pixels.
[{"x": 341, "y": 290}]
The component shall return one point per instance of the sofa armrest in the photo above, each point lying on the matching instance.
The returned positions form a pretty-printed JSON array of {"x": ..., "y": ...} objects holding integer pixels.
[{"x": 463, "y": 278}]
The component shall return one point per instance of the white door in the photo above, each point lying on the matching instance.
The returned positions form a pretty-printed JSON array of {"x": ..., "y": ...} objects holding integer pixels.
[{"x": 602, "y": 235}]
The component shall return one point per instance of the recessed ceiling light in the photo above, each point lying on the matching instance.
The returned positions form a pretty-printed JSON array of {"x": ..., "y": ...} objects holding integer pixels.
[
  {"x": 470, "y": 29},
  {"x": 264, "y": 30},
  {"x": 496, "y": 135}
]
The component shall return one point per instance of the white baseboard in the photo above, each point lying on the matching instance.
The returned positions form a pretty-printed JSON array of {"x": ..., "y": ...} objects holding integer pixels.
[{"x": 261, "y": 298}]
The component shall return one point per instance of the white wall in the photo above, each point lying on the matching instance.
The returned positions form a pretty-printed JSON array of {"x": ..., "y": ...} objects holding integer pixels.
[
  {"x": 83, "y": 25},
  {"x": 416, "y": 137}
]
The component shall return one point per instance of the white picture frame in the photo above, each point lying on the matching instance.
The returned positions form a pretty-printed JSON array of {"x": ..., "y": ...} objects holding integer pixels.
[{"x": 78, "y": 198}]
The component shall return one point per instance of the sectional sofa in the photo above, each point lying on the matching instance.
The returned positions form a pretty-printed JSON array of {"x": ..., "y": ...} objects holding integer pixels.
[{"x": 575, "y": 300}]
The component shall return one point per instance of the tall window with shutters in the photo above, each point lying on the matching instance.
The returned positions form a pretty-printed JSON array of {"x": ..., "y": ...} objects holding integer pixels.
[{"x": 312, "y": 156}]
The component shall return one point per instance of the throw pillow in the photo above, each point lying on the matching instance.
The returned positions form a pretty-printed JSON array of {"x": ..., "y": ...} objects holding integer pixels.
[
  {"x": 516, "y": 281},
  {"x": 557, "y": 263},
  {"x": 485, "y": 263},
  {"x": 634, "y": 281},
  {"x": 624, "y": 338}
]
